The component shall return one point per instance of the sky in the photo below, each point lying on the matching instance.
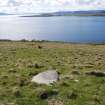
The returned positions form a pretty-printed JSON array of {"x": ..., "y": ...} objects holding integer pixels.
[{"x": 36, "y": 6}]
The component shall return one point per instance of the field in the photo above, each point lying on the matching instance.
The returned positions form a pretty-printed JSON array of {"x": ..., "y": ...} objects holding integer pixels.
[{"x": 20, "y": 61}]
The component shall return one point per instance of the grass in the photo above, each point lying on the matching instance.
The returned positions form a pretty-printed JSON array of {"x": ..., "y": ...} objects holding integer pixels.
[{"x": 20, "y": 61}]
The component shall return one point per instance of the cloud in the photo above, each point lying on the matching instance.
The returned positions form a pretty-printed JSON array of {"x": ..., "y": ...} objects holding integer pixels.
[{"x": 21, "y": 6}]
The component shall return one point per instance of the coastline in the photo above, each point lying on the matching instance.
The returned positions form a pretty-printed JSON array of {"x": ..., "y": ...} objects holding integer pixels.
[{"x": 52, "y": 41}]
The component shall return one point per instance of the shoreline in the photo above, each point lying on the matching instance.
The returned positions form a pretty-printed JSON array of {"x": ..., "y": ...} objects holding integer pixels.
[{"x": 51, "y": 41}]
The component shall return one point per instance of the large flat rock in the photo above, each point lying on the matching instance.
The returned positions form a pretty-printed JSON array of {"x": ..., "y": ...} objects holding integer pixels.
[{"x": 46, "y": 77}]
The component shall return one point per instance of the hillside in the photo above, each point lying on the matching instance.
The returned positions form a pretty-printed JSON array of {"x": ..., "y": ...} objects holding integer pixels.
[
  {"x": 1, "y": 14},
  {"x": 69, "y": 13}
]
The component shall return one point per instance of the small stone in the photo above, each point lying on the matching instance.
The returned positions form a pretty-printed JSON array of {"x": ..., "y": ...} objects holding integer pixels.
[
  {"x": 44, "y": 94},
  {"x": 40, "y": 47}
]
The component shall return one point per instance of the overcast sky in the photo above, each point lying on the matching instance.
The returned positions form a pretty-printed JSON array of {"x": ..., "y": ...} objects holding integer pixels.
[{"x": 35, "y": 6}]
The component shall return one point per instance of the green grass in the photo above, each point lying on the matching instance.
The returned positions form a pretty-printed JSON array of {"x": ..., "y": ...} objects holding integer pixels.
[{"x": 20, "y": 61}]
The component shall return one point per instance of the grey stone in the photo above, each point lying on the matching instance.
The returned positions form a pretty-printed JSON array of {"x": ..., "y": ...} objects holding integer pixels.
[{"x": 46, "y": 77}]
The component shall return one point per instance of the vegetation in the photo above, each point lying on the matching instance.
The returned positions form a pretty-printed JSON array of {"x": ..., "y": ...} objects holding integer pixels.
[{"x": 20, "y": 61}]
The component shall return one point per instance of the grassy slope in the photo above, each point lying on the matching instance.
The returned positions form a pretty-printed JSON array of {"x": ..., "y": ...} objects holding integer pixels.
[
  {"x": 69, "y": 14},
  {"x": 16, "y": 70}
]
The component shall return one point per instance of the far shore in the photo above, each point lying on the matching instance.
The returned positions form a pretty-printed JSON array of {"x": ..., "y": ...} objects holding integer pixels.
[{"x": 33, "y": 40}]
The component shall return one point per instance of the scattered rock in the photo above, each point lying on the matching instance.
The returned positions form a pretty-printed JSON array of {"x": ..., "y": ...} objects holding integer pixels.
[
  {"x": 44, "y": 94},
  {"x": 95, "y": 73},
  {"x": 36, "y": 65},
  {"x": 40, "y": 47},
  {"x": 46, "y": 77}
]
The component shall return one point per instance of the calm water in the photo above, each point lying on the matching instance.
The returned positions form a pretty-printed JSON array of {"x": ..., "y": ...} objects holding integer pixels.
[{"x": 70, "y": 29}]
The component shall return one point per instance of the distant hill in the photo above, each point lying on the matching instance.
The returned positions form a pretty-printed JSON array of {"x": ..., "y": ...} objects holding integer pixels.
[
  {"x": 70, "y": 13},
  {"x": 1, "y": 13},
  {"x": 89, "y": 13}
]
